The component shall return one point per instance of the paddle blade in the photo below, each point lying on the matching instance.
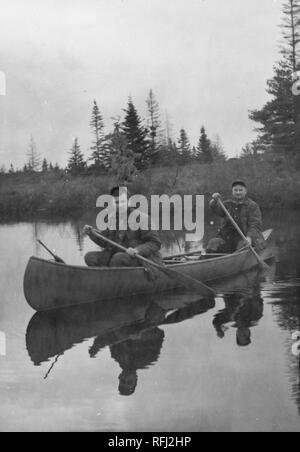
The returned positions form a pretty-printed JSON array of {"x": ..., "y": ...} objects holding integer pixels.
[{"x": 265, "y": 267}]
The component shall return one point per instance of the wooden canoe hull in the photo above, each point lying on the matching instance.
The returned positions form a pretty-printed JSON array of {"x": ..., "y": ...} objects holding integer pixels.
[{"x": 50, "y": 285}]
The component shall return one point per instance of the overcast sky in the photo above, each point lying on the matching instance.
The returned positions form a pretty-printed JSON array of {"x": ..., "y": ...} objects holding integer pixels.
[{"x": 206, "y": 60}]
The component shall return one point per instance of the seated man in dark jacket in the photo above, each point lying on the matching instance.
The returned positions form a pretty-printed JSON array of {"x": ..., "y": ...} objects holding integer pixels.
[
  {"x": 247, "y": 215},
  {"x": 146, "y": 243}
]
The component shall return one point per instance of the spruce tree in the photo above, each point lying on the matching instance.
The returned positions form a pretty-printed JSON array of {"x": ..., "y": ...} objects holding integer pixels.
[
  {"x": 135, "y": 134},
  {"x": 279, "y": 119},
  {"x": 99, "y": 146},
  {"x": 204, "y": 154},
  {"x": 76, "y": 162},
  {"x": 184, "y": 148}
]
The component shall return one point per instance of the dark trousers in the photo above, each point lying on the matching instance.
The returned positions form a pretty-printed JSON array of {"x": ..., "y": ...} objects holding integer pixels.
[{"x": 106, "y": 259}]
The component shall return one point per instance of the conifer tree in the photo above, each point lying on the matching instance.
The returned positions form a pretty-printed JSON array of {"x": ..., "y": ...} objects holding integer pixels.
[
  {"x": 135, "y": 134},
  {"x": 99, "y": 147},
  {"x": 204, "y": 154},
  {"x": 76, "y": 162},
  {"x": 184, "y": 148},
  {"x": 279, "y": 119}
]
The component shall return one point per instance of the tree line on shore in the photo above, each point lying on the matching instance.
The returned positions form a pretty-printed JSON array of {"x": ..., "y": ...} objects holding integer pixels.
[{"x": 129, "y": 148}]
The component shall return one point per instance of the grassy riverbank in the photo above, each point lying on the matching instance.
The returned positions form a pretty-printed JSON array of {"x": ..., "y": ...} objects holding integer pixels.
[{"x": 44, "y": 195}]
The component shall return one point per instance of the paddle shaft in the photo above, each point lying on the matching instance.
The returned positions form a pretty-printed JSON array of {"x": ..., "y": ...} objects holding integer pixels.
[
  {"x": 56, "y": 258},
  {"x": 187, "y": 281},
  {"x": 260, "y": 260},
  {"x": 52, "y": 365}
]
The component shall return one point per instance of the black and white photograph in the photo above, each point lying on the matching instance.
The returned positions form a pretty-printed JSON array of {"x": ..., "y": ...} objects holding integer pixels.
[{"x": 149, "y": 218}]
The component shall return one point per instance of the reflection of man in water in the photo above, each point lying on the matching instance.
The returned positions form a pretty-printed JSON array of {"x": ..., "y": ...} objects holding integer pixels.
[
  {"x": 136, "y": 353},
  {"x": 244, "y": 312},
  {"x": 138, "y": 346},
  {"x": 143, "y": 350},
  {"x": 134, "y": 346}
]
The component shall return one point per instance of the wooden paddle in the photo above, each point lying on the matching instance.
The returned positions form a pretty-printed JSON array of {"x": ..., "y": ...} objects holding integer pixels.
[
  {"x": 261, "y": 262},
  {"x": 56, "y": 258},
  {"x": 187, "y": 281}
]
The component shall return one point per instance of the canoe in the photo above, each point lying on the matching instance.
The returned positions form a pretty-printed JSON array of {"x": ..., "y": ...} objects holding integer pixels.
[
  {"x": 52, "y": 333},
  {"x": 51, "y": 285}
]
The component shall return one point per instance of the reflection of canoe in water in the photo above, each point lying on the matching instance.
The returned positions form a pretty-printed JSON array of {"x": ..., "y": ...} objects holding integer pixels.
[
  {"x": 50, "y": 285},
  {"x": 52, "y": 333}
]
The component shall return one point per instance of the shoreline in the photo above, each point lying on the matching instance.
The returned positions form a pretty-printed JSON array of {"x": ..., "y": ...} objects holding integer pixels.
[{"x": 47, "y": 196}]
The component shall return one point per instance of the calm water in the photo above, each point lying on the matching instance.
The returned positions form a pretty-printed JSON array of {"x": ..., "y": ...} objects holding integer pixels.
[{"x": 224, "y": 364}]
